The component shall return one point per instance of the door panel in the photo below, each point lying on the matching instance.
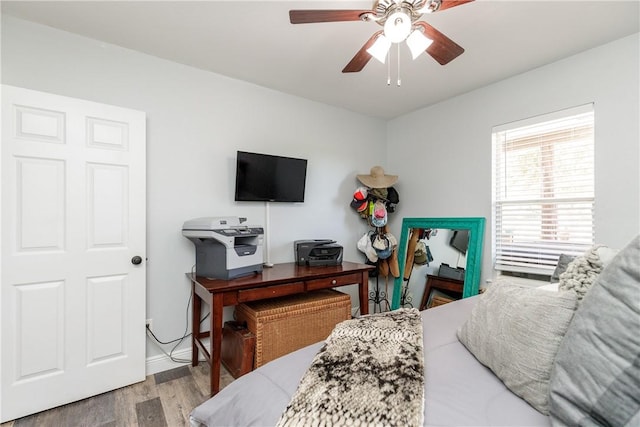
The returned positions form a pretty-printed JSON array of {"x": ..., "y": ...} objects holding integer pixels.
[
  {"x": 105, "y": 323},
  {"x": 34, "y": 124},
  {"x": 40, "y": 204},
  {"x": 108, "y": 211},
  {"x": 107, "y": 134},
  {"x": 73, "y": 216},
  {"x": 39, "y": 340}
]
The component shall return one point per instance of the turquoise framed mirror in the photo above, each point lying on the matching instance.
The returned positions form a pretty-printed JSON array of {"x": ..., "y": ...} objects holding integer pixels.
[{"x": 475, "y": 228}]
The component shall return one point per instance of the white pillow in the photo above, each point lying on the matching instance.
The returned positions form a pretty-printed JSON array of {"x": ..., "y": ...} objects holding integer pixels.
[
  {"x": 606, "y": 254},
  {"x": 515, "y": 331},
  {"x": 552, "y": 287}
]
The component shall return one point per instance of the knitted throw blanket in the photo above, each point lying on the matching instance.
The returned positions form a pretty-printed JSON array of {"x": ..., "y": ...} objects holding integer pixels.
[
  {"x": 581, "y": 273},
  {"x": 369, "y": 372}
]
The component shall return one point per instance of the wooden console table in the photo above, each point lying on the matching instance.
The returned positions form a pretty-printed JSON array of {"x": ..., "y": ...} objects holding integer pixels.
[
  {"x": 279, "y": 280},
  {"x": 441, "y": 283}
]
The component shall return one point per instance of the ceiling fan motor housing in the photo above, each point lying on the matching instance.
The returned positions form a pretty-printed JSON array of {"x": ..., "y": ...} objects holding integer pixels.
[{"x": 384, "y": 9}]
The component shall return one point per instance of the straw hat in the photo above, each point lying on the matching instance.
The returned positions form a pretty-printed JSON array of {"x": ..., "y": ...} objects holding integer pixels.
[{"x": 377, "y": 178}]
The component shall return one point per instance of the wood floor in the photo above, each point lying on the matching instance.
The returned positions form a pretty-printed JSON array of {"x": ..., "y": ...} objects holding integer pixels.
[{"x": 163, "y": 399}]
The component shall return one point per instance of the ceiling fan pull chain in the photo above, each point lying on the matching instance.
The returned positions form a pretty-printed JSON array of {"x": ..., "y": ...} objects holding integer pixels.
[
  {"x": 389, "y": 68},
  {"x": 399, "y": 81}
]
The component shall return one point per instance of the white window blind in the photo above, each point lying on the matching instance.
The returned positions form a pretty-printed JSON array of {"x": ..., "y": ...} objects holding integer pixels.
[{"x": 543, "y": 170}]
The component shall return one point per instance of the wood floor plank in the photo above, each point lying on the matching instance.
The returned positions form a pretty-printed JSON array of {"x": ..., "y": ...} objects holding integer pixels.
[
  {"x": 94, "y": 411},
  {"x": 172, "y": 374},
  {"x": 147, "y": 403},
  {"x": 150, "y": 413},
  {"x": 44, "y": 418},
  {"x": 28, "y": 421},
  {"x": 142, "y": 391},
  {"x": 201, "y": 375},
  {"x": 225, "y": 377},
  {"x": 179, "y": 397},
  {"x": 125, "y": 409},
  {"x": 126, "y": 399}
]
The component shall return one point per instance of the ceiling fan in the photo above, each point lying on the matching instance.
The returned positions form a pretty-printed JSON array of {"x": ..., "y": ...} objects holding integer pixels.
[{"x": 400, "y": 22}]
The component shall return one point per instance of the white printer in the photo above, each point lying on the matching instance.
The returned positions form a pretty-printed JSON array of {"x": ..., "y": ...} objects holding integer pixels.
[{"x": 225, "y": 249}]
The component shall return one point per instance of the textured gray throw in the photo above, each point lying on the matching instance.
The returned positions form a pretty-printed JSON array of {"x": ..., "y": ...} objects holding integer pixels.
[{"x": 369, "y": 372}]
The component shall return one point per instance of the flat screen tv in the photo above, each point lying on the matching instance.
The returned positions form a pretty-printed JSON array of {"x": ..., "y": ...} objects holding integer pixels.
[
  {"x": 460, "y": 240},
  {"x": 268, "y": 178}
]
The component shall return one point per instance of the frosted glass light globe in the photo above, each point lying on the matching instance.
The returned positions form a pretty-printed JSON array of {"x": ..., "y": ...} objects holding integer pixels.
[{"x": 397, "y": 27}]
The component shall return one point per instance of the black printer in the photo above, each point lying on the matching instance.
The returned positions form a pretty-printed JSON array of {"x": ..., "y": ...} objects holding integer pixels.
[{"x": 317, "y": 252}]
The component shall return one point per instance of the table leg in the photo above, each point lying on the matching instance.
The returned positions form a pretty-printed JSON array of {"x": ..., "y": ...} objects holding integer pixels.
[
  {"x": 363, "y": 293},
  {"x": 215, "y": 341},
  {"x": 195, "y": 324}
]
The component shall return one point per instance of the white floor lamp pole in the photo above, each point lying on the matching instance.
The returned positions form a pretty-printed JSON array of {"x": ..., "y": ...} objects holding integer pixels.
[{"x": 267, "y": 234}]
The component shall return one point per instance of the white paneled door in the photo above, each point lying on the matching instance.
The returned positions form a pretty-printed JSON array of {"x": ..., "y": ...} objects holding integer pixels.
[{"x": 73, "y": 227}]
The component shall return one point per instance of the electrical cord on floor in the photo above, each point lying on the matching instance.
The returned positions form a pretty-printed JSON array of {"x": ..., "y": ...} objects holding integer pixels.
[
  {"x": 179, "y": 341},
  {"x": 170, "y": 354}
]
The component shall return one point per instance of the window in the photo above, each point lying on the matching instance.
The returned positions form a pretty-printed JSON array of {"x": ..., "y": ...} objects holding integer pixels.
[{"x": 543, "y": 192}]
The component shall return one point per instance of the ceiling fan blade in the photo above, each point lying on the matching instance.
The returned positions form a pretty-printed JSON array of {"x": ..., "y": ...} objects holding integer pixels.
[
  {"x": 361, "y": 58},
  {"x": 443, "y": 49},
  {"x": 312, "y": 16},
  {"x": 448, "y": 4}
]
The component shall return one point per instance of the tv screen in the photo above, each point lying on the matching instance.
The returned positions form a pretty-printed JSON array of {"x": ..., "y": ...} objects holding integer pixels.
[
  {"x": 267, "y": 178},
  {"x": 460, "y": 240}
]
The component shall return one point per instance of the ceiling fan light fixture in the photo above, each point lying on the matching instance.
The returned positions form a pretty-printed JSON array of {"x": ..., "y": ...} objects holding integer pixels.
[
  {"x": 418, "y": 43},
  {"x": 397, "y": 26},
  {"x": 399, "y": 20},
  {"x": 380, "y": 48}
]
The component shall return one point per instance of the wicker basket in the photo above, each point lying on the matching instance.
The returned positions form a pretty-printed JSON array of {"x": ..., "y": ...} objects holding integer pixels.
[
  {"x": 437, "y": 300},
  {"x": 282, "y": 325}
]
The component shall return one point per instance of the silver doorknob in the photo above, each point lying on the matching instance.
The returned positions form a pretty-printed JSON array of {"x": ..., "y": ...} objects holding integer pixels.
[{"x": 136, "y": 260}]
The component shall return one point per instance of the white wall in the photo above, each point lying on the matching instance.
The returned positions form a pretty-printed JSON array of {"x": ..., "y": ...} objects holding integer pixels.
[
  {"x": 444, "y": 151},
  {"x": 196, "y": 121}
]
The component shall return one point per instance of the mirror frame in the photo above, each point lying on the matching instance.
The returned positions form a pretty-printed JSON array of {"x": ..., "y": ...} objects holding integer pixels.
[{"x": 474, "y": 251}]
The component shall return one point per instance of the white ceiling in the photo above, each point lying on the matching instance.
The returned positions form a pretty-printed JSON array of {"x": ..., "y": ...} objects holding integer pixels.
[{"x": 254, "y": 41}]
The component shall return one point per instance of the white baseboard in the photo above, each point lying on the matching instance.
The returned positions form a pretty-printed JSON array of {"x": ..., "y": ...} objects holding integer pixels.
[{"x": 161, "y": 362}]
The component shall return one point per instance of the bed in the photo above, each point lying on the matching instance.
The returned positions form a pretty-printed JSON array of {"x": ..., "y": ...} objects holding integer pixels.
[
  {"x": 507, "y": 357},
  {"x": 458, "y": 390}
]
